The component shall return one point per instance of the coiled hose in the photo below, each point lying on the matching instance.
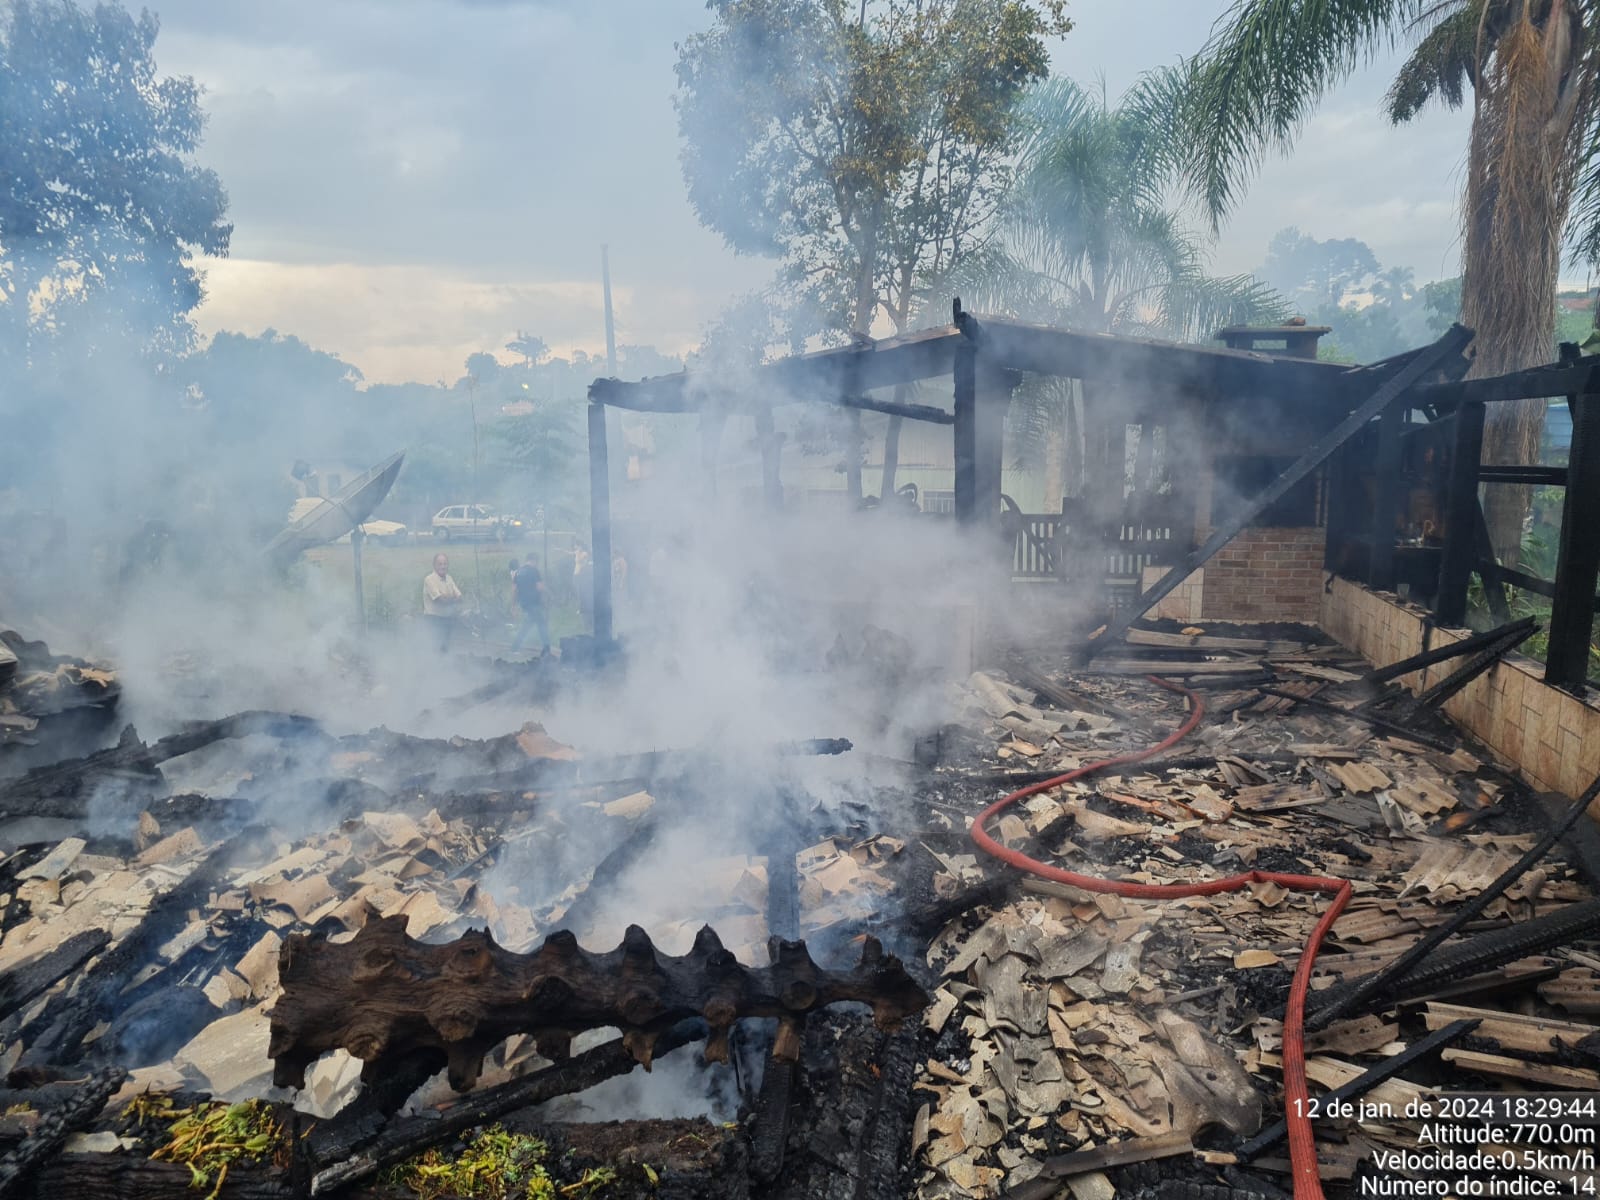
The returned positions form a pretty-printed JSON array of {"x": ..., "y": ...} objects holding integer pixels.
[{"x": 1297, "y": 1096}]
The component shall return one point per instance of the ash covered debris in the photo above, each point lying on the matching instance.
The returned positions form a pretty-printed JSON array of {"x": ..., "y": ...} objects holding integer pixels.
[{"x": 47, "y": 700}]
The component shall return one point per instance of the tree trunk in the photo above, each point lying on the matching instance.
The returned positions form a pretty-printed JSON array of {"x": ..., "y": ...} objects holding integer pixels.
[
  {"x": 1055, "y": 452},
  {"x": 891, "y": 450},
  {"x": 1519, "y": 186},
  {"x": 1072, "y": 465}
]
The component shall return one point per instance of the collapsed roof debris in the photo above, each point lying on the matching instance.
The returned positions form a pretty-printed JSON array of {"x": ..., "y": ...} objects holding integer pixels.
[
  {"x": 47, "y": 698},
  {"x": 1095, "y": 1042}
]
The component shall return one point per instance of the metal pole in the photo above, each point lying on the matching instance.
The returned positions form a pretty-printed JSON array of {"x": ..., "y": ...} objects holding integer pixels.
[
  {"x": 600, "y": 524},
  {"x": 611, "y": 328},
  {"x": 356, "y": 538}
]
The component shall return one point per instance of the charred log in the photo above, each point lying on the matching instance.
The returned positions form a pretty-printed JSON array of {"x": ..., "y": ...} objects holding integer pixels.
[
  {"x": 383, "y": 995},
  {"x": 57, "y": 1125},
  {"x": 128, "y": 1177},
  {"x": 403, "y": 1138}
]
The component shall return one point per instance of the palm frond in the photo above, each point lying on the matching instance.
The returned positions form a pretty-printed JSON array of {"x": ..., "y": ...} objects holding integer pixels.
[
  {"x": 1443, "y": 63},
  {"x": 1268, "y": 64}
]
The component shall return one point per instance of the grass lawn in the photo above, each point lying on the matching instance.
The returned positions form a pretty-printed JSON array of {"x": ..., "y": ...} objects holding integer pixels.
[{"x": 392, "y": 581}]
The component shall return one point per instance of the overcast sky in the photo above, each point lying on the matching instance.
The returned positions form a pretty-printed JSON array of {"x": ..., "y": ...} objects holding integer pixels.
[{"x": 414, "y": 180}]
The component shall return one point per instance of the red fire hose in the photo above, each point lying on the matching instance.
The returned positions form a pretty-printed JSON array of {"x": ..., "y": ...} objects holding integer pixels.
[{"x": 1302, "y": 1144}]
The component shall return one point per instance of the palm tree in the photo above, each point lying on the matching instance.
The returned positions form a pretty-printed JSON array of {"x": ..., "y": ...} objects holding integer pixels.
[
  {"x": 1529, "y": 68},
  {"x": 1089, "y": 241}
]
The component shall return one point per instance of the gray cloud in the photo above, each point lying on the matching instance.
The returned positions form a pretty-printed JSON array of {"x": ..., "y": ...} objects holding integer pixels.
[{"x": 497, "y": 143}]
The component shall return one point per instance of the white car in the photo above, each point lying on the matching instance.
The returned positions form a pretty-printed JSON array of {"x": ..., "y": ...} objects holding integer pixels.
[{"x": 467, "y": 521}]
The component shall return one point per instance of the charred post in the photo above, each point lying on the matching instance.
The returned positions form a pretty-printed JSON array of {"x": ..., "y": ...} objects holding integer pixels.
[{"x": 1578, "y": 559}]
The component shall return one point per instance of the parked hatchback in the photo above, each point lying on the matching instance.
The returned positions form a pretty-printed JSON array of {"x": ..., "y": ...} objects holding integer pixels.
[{"x": 466, "y": 521}]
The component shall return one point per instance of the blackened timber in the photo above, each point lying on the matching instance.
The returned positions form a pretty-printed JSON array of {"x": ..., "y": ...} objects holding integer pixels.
[
  {"x": 966, "y": 431},
  {"x": 1532, "y": 583},
  {"x": 57, "y": 1125},
  {"x": 600, "y": 524},
  {"x": 1475, "y": 666},
  {"x": 1451, "y": 343},
  {"x": 1449, "y": 650},
  {"x": 1365, "y": 1082},
  {"x": 1461, "y": 506},
  {"x": 412, "y": 1135},
  {"x": 1578, "y": 557},
  {"x": 1489, "y": 569},
  {"x": 916, "y": 412},
  {"x": 129, "y": 1177},
  {"x": 132, "y": 755},
  {"x": 1536, "y": 383},
  {"x": 26, "y": 980},
  {"x": 1380, "y": 570}
]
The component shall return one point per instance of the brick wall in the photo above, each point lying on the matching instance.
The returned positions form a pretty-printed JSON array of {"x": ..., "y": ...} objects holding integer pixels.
[
  {"x": 1266, "y": 575},
  {"x": 1552, "y": 737},
  {"x": 1262, "y": 575}
]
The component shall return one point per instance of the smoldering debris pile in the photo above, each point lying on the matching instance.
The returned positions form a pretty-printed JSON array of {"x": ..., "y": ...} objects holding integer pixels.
[
  {"x": 45, "y": 696},
  {"x": 369, "y": 909},
  {"x": 151, "y": 957}
]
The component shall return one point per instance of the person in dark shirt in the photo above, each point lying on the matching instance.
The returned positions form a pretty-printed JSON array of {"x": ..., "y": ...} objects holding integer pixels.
[{"x": 529, "y": 586}]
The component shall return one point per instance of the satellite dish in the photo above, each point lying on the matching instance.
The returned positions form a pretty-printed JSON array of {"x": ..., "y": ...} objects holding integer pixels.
[{"x": 338, "y": 516}]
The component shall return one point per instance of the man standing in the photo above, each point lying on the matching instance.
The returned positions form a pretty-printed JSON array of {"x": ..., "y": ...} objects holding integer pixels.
[
  {"x": 441, "y": 601},
  {"x": 529, "y": 585}
]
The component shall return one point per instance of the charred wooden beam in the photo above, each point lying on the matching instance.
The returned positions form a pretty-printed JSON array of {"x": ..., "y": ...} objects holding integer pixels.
[
  {"x": 129, "y": 1177},
  {"x": 68, "y": 779},
  {"x": 1480, "y": 662},
  {"x": 57, "y": 1125},
  {"x": 1449, "y": 650},
  {"x": 384, "y": 994},
  {"x": 895, "y": 408},
  {"x": 1578, "y": 557},
  {"x": 27, "y": 980},
  {"x": 1535, "y": 383},
  {"x": 412, "y": 1135}
]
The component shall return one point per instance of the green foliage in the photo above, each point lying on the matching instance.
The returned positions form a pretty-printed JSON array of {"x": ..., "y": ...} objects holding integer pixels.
[
  {"x": 101, "y": 210},
  {"x": 494, "y": 1165},
  {"x": 209, "y": 1138},
  {"x": 864, "y": 145},
  {"x": 1267, "y": 66},
  {"x": 1441, "y": 300}
]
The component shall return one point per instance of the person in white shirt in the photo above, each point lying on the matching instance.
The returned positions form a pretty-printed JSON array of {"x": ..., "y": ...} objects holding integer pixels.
[{"x": 441, "y": 601}]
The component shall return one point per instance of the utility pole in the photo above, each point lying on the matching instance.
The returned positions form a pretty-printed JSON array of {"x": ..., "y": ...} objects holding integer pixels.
[{"x": 611, "y": 326}]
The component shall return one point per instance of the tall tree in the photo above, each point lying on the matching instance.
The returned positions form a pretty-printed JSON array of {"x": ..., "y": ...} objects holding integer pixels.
[
  {"x": 1321, "y": 272},
  {"x": 1529, "y": 67},
  {"x": 864, "y": 143},
  {"x": 1091, "y": 240},
  {"x": 101, "y": 208}
]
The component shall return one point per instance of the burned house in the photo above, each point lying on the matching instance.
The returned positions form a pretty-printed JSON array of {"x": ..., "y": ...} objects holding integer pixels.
[{"x": 953, "y": 905}]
